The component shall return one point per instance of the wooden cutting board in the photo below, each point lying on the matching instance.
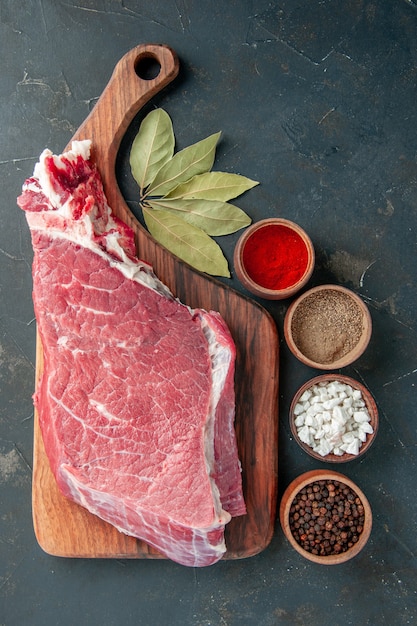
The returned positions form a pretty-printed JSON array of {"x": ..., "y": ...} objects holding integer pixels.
[{"x": 66, "y": 529}]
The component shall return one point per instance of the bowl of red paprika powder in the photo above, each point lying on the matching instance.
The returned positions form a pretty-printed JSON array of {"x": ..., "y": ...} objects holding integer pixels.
[{"x": 274, "y": 258}]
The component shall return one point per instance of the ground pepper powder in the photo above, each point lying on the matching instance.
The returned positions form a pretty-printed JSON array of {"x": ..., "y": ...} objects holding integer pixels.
[
  {"x": 327, "y": 325},
  {"x": 275, "y": 257}
]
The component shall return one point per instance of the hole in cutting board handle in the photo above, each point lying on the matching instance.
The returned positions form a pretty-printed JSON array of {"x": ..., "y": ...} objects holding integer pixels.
[{"x": 147, "y": 67}]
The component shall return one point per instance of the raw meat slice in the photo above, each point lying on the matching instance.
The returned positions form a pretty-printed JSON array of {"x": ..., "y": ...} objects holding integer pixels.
[{"x": 136, "y": 401}]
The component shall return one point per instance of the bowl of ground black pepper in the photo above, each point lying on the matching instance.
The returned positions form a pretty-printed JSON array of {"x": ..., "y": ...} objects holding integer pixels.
[
  {"x": 328, "y": 327},
  {"x": 325, "y": 517},
  {"x": 274, "y": 258}
]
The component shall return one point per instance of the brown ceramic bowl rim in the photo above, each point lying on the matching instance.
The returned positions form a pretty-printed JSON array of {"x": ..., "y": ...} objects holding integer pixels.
[
  {"x": 287, "y": 499},
  {"x": 370, "y": 405},
  {"x": 245, "y": 278},
  {"x": 348, "y": 358}
]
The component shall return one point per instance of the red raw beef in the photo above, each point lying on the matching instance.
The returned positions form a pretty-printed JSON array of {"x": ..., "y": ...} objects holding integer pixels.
[{"x": 136, "y": 402}]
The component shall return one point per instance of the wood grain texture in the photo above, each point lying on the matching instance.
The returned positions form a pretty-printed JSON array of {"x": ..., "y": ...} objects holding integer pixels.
[{"x": 66, "y": 529}]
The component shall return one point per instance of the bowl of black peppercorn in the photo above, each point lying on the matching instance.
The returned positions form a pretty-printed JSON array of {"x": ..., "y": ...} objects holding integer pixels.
[{"x": 325, "y": 517}]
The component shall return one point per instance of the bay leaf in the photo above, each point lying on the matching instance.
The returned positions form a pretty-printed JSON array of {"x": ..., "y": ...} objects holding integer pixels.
[
  {"x": 186, "y": 241},
  {"x": 152, "y": 147},
  {"x": 213, "y": 186},
  {"x": 195, "y": 159},
  {"x": 214, "y": 217}
]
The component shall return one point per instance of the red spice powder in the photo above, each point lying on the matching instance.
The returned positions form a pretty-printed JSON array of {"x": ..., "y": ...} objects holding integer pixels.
[{"x": 275, "y": 257}]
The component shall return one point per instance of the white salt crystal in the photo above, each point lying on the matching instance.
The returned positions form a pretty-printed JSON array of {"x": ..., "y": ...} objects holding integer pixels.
[
  {"x": 310, "y": 421},
  {"x": 314, "y": 409},
  {"x": 330, "y": 404},
  {"x": 305, "y": 436},
  {"x": 361, "y": 416},
  {"x": 353, "y": 447},
  {"x": 366, "y": 428},
  {"x": 306, "y": 396},
  {"x": 324, "y": 448},
  {"x": 362, "y": 435},
  {"x": 315, "y": 400},
  {"x": 299, "y": 420},
  {"x": 299, "y": 408}
]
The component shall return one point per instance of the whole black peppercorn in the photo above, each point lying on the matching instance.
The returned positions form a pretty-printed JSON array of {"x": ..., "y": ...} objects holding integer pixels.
[{"x": 334, "y": 520}]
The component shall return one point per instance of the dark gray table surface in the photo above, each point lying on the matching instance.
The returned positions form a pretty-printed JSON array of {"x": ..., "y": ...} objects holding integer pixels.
[{"x": 317, "y": 101}]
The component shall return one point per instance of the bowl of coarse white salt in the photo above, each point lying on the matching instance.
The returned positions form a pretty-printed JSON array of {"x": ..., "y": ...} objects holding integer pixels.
[{"x": 334, "y": 418}]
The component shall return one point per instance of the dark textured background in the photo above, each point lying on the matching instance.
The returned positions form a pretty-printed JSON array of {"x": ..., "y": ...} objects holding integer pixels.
[{"x": 317, "y": 101}]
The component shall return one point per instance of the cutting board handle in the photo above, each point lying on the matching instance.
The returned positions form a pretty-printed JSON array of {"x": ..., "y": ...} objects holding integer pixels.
[{"x": 128, "y": 90}]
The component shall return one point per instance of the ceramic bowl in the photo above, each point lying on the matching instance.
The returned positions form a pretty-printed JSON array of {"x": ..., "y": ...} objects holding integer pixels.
[
  {"x": 369, "y": 403},
  {"x": 256, "y": 281},
  {"x": 328, "y": 327},
  {"x": 287, "y": 522}
]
